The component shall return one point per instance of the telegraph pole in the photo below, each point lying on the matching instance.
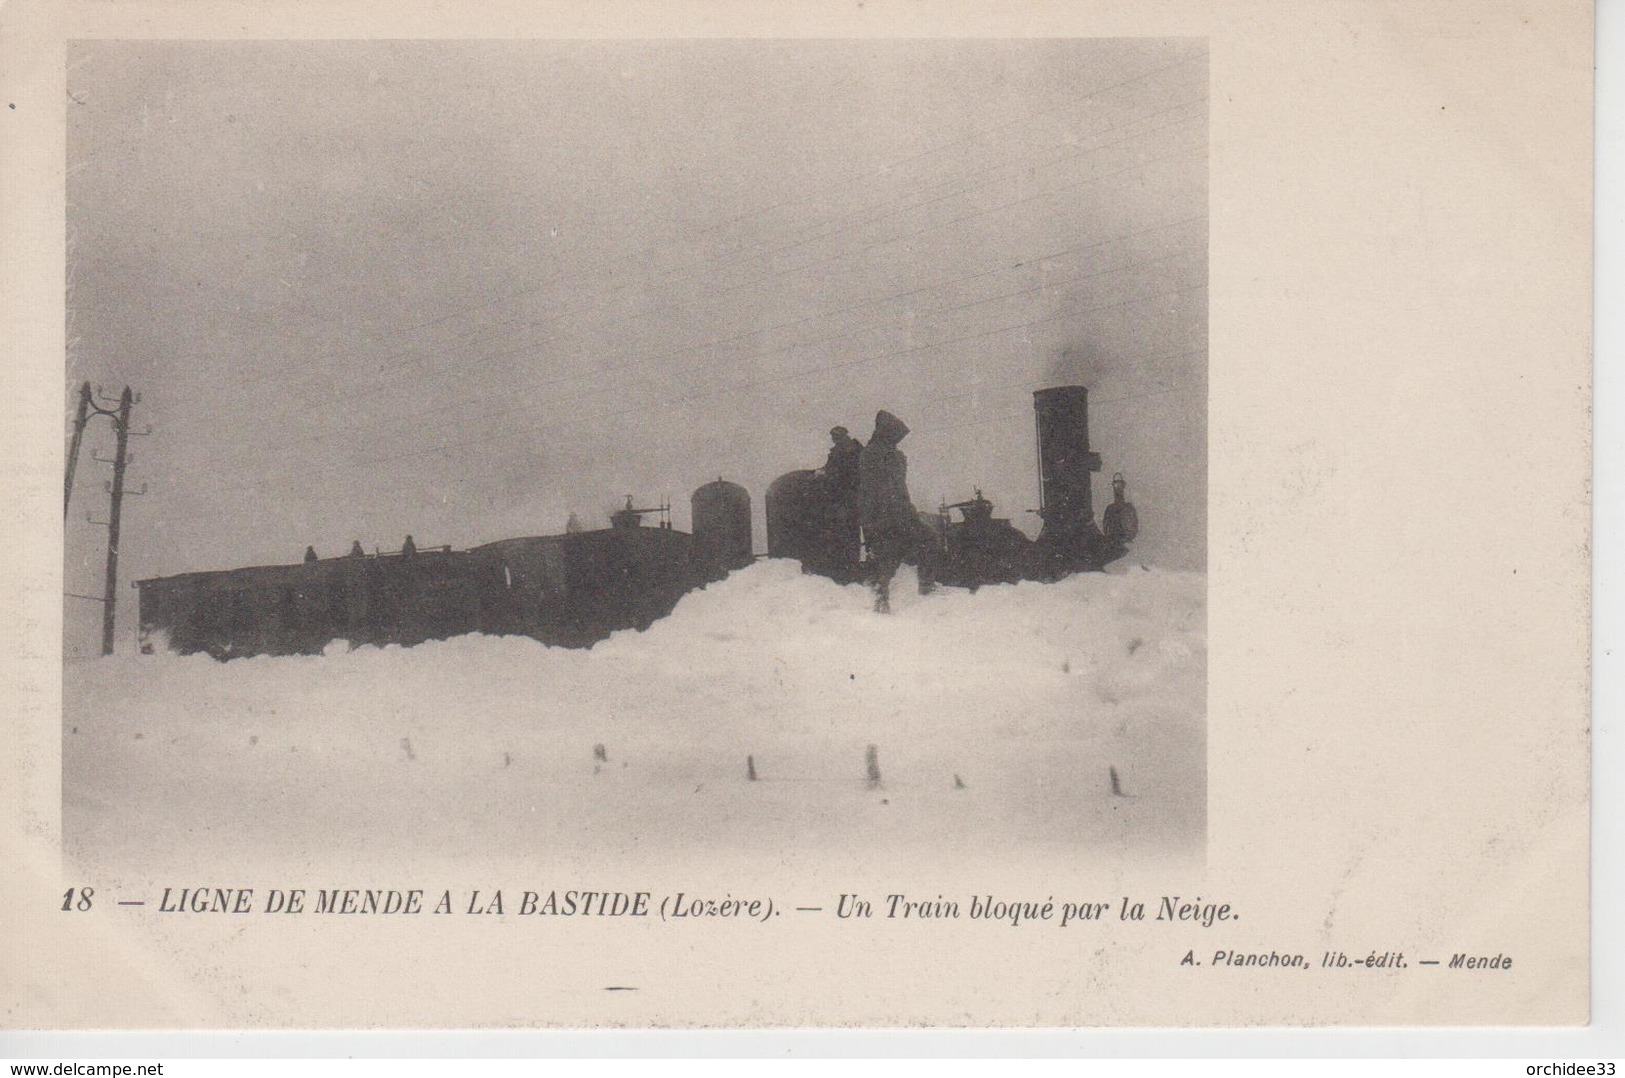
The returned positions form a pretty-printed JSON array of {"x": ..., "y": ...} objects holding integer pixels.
[
  {"x": 121, "y": 424},
  {"x": 115, "y": 489}
]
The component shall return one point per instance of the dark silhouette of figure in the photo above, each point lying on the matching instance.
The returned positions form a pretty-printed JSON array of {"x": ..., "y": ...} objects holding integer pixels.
[
  {"x": 1120, "y": 523},
  {"x": 892, "y": 528},
  {"x": 841, "y": 467},
  {"x": 310, "y": 555},
  {"x": 839, "y": 485}
]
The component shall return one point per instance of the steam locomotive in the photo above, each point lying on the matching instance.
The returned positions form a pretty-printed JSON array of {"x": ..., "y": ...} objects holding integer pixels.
[
  {"x": 804, "y": 519},
  {"x": 575, "y": 589}
]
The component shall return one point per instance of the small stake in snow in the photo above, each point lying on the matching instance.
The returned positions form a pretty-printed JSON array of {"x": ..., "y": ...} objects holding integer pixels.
[
  {"x": 871, "y": 758},
  {"x": 750, "y": 768},
  {"x": 406, "y": 743},
  {"x": 1117, "y": 787},
  {"x": 959, "y": 783},
  {"x": 600, "y": 754}
]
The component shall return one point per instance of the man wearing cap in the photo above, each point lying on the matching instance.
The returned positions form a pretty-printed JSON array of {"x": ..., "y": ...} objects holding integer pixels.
[{"x": 840, "y": 487}]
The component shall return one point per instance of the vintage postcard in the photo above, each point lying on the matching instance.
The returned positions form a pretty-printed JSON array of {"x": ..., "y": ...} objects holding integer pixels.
[{"x": 704, "y": 518}]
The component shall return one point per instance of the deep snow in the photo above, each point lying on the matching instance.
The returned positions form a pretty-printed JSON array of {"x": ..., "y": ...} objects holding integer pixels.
[{"x": 997, "y": 718}]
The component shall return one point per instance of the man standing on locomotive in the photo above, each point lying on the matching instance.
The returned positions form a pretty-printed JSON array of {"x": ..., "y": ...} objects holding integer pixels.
[
  {"x": 840, "y": 486},
  {"x": 892, "y": 529}
]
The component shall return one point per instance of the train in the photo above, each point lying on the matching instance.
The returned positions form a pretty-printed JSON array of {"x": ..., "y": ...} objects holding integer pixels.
[
  {"x": 974, "y": 547},
  {"x": 575, "y": 589}
]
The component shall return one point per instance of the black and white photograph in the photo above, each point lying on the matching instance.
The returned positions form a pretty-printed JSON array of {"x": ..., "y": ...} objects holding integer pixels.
[{"x": 509, "y": 448}]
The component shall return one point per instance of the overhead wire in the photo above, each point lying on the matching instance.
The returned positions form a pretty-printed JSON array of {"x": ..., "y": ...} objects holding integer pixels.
[
  {"x": 407, "y": 353},
  {"x": 697, "y": 395},
  {"x": 935, "y": 226},
  {"x": 1031, "y": 383},
  {"x": 993, "y": 172},
  {"x": 996, "y": 171},
  {"x": 886, "y": 168},
  {"x": 599, "y": 372},
  {"x": 484, "y": 334},
  {"x": 1026, "y": 414},
  {"x": 648, "y": 359},
  {"x": 897, "y": 163},
  {"x": 691, "y": 398}
]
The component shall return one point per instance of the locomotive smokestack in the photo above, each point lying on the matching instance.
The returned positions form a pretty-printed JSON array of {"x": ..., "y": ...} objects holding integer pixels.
[
  {"x": 1064, "y": 458},
  {"x": 1065, "y": 461}
]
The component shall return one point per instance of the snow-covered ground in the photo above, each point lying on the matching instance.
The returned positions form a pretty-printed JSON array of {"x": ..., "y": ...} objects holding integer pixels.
[{"x": 997, "y": 719}]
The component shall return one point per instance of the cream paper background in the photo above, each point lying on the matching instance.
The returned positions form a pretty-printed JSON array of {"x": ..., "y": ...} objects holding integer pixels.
[{"x": 1398, "y": 590}]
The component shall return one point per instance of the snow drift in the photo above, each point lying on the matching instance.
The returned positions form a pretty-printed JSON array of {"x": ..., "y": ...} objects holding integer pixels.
[{"x": 997, "y": 720}]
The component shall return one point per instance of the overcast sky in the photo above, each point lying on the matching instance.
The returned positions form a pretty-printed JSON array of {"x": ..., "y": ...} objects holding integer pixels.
[{"x": 462, "y": 289}]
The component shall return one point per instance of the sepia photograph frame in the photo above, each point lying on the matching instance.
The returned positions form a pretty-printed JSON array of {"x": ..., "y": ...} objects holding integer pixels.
[{"x": 1038, "y": 279}]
